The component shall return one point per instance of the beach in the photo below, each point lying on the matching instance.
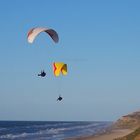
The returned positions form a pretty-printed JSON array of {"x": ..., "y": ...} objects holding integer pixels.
[{"x": 107, "y": 136}]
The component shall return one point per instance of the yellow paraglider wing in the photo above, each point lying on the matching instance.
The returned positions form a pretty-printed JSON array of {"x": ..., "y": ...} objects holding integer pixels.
[{"x": 59, "y": 67}]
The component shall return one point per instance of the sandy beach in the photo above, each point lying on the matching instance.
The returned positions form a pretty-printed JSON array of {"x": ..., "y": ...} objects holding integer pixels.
[{"x": 108, "y": 136}]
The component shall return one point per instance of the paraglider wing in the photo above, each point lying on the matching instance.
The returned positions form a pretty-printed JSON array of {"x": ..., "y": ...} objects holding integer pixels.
[
  {"x": 59, "y": 67},
  {"x": 34, "y": 32}
]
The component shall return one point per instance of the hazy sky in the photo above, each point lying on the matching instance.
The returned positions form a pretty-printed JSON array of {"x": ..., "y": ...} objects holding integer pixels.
[{"x": 100, "y": 42}]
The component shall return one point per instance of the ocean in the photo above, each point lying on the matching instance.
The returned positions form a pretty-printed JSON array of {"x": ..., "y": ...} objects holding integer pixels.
[{"x": 47, "y": 130}]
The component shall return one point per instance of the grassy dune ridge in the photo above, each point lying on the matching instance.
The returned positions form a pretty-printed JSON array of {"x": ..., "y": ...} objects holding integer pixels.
[{"x": 130, "y": 121}]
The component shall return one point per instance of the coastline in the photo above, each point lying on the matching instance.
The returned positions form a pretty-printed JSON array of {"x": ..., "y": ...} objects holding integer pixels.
[{"x": 115, "y": 133}]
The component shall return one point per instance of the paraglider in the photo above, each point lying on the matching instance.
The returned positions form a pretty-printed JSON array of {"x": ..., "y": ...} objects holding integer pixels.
[
  {"x": 59, "y": 98},
  {"x": 59, "y": 67},
  {"x": 34, "y": 32},
  {"x": 42, "y": 74}
]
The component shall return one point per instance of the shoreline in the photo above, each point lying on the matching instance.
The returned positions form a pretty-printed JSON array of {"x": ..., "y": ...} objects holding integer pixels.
[{"x": 113, "y": 134}]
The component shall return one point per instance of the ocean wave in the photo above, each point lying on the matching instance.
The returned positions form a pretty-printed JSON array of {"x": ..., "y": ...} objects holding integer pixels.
[
  {"x": 46, "y": 132},
  {"x": 86, "y": 126},
  {"x": 12, "y": 136},
  {"x": 48, "y": 125},
  {"x": 3, "y": 129}
]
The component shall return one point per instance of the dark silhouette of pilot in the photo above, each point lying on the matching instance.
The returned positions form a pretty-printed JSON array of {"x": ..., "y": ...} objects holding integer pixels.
[
  {"x": 42, "y": 74},
  {"x": 59, "y": 98}
]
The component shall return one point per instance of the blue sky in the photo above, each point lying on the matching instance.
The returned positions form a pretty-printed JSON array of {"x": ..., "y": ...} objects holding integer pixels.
[{"x": 99, "y": 40}]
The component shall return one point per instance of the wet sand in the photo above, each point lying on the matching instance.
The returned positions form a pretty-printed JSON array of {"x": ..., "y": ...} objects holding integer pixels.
[{"x": 108, "y": 136}]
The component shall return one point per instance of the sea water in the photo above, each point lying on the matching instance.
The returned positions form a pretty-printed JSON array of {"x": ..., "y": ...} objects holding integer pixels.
[{"x": 47, "y": 130}]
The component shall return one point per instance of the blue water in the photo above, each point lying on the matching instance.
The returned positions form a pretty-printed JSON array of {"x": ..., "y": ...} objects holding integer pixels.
[{"x": 36, "y": 130}]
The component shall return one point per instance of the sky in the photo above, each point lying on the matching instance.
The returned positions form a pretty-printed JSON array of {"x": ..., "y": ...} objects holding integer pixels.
[{"x": 99, "y": 41}]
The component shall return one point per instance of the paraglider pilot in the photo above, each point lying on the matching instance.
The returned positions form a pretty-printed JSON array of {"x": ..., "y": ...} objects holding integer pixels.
[
  {"x": 42, "y": 74},
  {"x": 59, "y": 98}
]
